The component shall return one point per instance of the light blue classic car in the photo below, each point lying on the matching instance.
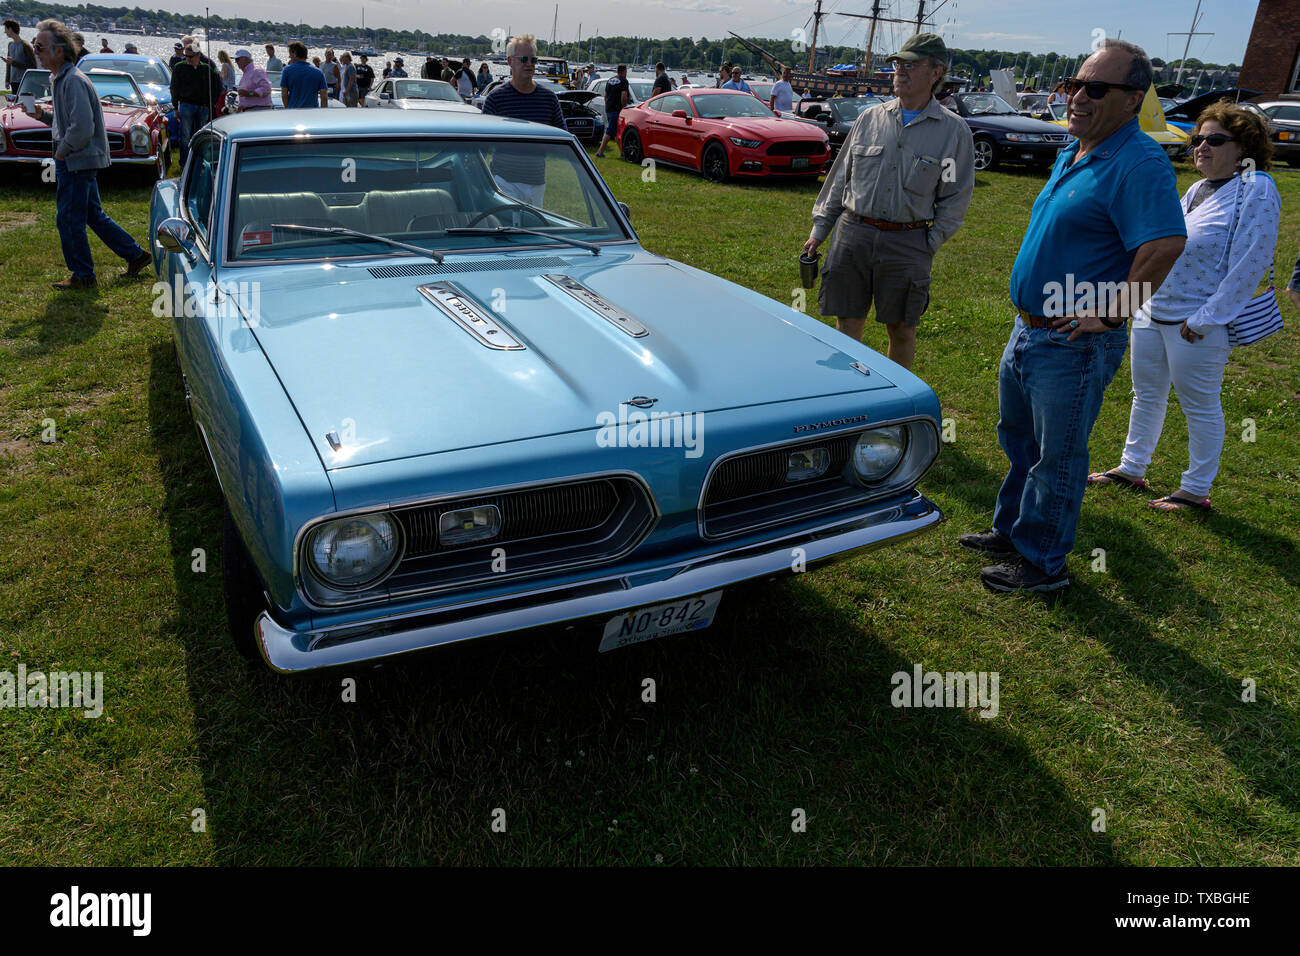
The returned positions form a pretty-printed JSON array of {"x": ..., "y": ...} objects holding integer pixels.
[{"x": 447, "y": 394}]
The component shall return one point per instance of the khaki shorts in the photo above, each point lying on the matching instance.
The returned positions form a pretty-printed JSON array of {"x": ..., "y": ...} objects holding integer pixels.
[{"x": 865, "y": 265}]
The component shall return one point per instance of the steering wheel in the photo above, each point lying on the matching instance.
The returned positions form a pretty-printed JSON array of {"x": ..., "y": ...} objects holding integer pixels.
[
  {"x": 508, "y": 207},
  {"x": 115, "y": 97}
]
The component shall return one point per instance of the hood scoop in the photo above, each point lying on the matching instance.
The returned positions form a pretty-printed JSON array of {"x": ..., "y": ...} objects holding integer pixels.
[
  {"x": 598, "y": 304},
  {"x": 466, "y": 313}
]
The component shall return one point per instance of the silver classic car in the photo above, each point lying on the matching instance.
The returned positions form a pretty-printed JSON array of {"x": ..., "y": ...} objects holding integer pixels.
[{"x": 447, "y": 394}]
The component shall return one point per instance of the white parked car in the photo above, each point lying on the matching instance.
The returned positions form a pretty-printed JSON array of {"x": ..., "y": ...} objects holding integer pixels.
[{"x": 405, "y": 94}]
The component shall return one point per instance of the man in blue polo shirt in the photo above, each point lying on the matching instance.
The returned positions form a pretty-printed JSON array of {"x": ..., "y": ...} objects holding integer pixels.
[
  {"x": 1103, "y": 234},
  {"x": 302, "y": 86}
]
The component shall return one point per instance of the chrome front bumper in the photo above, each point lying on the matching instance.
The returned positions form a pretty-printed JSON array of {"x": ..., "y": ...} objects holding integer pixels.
[{"x": 291, "y": 652}]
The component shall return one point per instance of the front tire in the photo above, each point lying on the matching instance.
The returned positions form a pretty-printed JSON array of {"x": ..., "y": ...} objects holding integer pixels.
[
  {"x": 241, "y": 588},
  {"x": 714, "y": 163},
  {"x": 631, "y": 146},
  {"x": 986, "y": 154}
]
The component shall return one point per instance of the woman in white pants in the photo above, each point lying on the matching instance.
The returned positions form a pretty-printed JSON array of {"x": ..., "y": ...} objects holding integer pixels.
[{"x": 1180, "y": 335}]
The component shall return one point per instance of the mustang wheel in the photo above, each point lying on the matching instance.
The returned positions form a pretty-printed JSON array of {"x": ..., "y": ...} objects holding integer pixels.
[
  {"x": 631, "y": 145},
  {"x": 714, "y": 163},
  {"x": 242, "y": 588},
  {"x": 986, "y": 156}
]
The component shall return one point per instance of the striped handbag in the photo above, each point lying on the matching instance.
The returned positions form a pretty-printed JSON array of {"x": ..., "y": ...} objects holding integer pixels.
[
  {"x": 1261, "y": 316},
  {"x": 1258, "y": 320}
]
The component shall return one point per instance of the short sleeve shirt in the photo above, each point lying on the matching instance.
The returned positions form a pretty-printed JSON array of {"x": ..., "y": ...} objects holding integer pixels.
[
  {"x": 662, "y": 85},
  {"x": 614, "y": 91},
  {"x": 1090, "y": 218},
  {"x": 304, "y": 83}
]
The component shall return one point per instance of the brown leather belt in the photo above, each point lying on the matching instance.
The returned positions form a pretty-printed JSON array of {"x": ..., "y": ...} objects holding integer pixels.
[
  {"x": 886, "y": 225},
  {"x": 1035, "y": 321}
]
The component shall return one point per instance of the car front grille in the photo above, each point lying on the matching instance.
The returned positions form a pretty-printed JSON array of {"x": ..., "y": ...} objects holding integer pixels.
[
  {"x": 545, "y": 528},
  {"x": 33, "y": 140},
  {"x": 1056, "y": 137},
  {"x": 751, "y": 491},
  {"x": 798, "y": 147}
]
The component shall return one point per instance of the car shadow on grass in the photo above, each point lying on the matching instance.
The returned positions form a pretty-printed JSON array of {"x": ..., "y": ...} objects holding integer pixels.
[
  {"x": 1259, "y": 737},
  {"x": 703, "y": 749}
]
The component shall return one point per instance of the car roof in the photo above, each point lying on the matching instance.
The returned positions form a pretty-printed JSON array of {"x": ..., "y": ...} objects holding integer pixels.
[
  {"x": 121, "y": 56},
  {"x": 260, "y": 124}
]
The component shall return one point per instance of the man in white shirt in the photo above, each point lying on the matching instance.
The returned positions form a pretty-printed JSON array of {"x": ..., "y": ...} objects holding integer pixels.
[{"x": 782, "y": 98}]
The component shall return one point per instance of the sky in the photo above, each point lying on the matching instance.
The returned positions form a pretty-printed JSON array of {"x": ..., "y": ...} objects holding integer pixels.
[{"x": 1064, "y": 26}]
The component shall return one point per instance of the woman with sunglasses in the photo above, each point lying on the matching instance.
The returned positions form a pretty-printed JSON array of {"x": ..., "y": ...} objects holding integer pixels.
[{"x": 1180, "y": 336}]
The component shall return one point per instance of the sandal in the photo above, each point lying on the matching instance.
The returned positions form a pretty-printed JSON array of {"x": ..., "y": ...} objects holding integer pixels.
[
  {"x": 1170, "y": 503},
  {"x": 1115, "y": 477}
]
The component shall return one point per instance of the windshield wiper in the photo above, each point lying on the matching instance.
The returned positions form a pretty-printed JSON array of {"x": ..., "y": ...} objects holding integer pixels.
[
  {"x": 356, "y": 234},
  {"x": 520, "y": 231}
]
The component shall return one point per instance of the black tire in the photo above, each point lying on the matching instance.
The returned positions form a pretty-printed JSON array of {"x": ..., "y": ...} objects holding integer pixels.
[
  {"x": 713, "y": 164},
  {"x": 631, "y": 146},
  {"x": 986, "y": 154},
  {"x": 241, "y": 588}
]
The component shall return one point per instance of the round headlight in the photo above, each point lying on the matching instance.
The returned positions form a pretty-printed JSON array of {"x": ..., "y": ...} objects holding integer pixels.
[
  {"x": 140, "y": 139},
  {"x": 878, "y": 452},
  {"x": 353, "y": 552}
]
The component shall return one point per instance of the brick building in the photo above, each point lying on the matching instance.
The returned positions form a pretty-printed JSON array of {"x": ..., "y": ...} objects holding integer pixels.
[{"x": 1272, "y": 61}]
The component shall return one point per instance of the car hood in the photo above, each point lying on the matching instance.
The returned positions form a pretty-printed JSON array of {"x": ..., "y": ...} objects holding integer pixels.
[
  {"x": 578, "y": 96},
  {"x": 381, "y": 365},
  {"x": 775, "y": 128},
  {"x": 412, "y": 104},
  {"x": 1014, "y": 124},
  {"x": 116, "y": 118}
]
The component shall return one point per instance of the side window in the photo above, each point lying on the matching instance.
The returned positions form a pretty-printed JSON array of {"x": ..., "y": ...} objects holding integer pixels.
[
  {"x": 200, "y": 187},
  {"x": 670, "y": 103}
]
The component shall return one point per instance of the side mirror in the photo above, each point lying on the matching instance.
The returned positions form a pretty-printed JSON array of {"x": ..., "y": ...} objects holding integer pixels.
[
  {"x": 384, "y": 97},
  {"x": 680, "y": 114},
  {"x": 827, "y": 117},
  {"x": 626, "y": 211},
  {"x": 176, "y": 236}
]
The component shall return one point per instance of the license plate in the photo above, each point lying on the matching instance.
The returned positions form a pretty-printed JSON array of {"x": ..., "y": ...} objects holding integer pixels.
[
  {"x": 661, "y": 620},
  {"x": 799, "y": 162}
]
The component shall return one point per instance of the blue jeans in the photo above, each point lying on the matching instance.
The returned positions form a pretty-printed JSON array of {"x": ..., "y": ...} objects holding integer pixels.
[
  {"x": 1049, "y": 395},
  {"x": 77, "y": 206},
  {"x": 193, "y": 118}
]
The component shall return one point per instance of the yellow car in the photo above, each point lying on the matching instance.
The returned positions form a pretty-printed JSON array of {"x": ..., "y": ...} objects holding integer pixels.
[{"x": 1152, "y": 120}]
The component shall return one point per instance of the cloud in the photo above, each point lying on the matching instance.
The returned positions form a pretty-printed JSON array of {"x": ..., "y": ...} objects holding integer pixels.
[{"x": 1034, "y": 37}]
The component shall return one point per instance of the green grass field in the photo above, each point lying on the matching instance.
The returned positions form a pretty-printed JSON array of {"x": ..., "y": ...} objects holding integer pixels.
[{"x": 1124, "y": 696}]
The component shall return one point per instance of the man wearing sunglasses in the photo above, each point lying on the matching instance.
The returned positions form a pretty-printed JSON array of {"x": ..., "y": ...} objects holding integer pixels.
[
  {"x": 1105, "y": 231},
  {"x": 520, "y": 176},
  {"x": 899, "y": 189},
  {"x": 80, "y": 151}
]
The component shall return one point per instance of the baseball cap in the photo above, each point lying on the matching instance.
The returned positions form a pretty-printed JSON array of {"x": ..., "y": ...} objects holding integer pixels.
[
  {"x": 242, "y": 52},
  {"x": 922, "y": 45},
  {"x": 178, "y": 45}
]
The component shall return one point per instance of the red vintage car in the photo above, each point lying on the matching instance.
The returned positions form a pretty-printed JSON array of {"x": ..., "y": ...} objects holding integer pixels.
[
  {"x": 136, "y": 127},
  {"x": 722, "y": 133}
]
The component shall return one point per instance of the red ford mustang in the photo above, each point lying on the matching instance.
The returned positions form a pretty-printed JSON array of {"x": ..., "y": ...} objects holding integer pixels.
[
  {"x": 136, "y": 128},
  {"x": 722, "y": 133}
]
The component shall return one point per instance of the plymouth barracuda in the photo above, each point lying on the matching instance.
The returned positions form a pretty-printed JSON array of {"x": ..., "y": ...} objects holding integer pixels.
[{"x": 438, "y": 412}]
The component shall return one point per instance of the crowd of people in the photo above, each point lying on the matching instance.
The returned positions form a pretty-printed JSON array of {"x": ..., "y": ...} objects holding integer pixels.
[{"x": 1109, "y": 222}]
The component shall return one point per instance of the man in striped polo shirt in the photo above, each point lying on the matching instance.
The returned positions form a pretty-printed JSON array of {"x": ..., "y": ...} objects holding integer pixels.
[{"x": 518, "y": 174}]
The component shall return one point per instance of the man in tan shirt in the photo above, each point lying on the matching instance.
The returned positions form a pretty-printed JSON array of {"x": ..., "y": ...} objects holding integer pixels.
[{"x": 898, "y": 190}]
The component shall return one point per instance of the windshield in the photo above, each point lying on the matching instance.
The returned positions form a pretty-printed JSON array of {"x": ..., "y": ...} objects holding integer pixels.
[
  {"x": 144, "y": 71},
  {"x": 848, "y": 110},
  {"x": 725, "y": 105},
  {"x": 641, "y": 89},
  {"x": 981, "y": 104},
  {"x": 413, "y": 191},
  {"x": 1289, "y": 113},
  {"x": 552, "y": 67},
  {"x": 1058, "y": 111},
  {"x": 116, "y": 89},
  {"x": 425, "y": 90},
  {"x": 35, "y": 83}
]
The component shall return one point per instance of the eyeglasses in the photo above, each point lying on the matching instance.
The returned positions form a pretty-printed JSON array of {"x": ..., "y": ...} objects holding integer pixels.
[
  {"x": 527, "y": 59},
  {"x": 39, "y": 47},
  {"x": 1214, "y": 139},
  {"x": 1095, "y": 89},
  {"x": 907, "y": 66}
]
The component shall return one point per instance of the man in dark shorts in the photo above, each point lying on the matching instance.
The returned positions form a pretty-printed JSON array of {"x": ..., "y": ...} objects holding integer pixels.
[
  {"x": 616, "y": 96},
  {"x": 898, "y": 190}
]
